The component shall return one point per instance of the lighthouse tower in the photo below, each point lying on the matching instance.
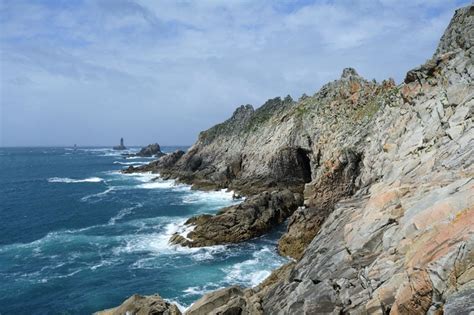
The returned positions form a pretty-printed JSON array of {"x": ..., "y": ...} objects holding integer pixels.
[{"x": 121, "y": 146}]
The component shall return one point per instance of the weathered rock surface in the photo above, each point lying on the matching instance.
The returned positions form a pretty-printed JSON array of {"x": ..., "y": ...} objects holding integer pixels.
[
  {"x": 143, "y": 305},
  {"x": 336, "y": 181},
  {"x": 387, "y": 174},
  {"x": 251, "y": 218}
]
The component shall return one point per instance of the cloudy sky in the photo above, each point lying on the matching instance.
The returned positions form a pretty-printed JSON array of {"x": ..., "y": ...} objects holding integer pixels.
[{"x": 90, "y": 72}]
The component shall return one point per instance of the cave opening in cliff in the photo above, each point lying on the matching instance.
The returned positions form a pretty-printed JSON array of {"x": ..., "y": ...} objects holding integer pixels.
[{"x": 305, "y": 164}]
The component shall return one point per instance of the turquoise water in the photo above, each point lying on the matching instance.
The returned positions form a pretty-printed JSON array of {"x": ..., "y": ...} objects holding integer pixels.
[{"x": 78, "y": 236}]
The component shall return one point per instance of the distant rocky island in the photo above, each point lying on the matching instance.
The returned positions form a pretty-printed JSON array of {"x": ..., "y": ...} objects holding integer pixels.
[
  {"x": 374, "y": 180},
  {"x": 121, "y": 146},
  {"x": 151, "y": 150}
]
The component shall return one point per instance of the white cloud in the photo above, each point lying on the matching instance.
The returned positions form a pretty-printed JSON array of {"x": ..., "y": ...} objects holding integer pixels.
[{"x": 93, "y": 71}]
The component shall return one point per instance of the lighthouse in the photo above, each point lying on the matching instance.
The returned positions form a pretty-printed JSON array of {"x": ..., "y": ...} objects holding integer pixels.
[{"x": 121, "y": 146}]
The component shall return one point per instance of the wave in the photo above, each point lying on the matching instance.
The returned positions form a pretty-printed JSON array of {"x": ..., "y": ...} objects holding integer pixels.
[
  {"x": 157, "y": 185},
  {"x": 182, "y": 308},
  {"x": 201, "y": 290},
  {"x": 158, "y": 243},
  {"x": 142, "y": 177},
  {"x": 71, "y": 180},
  {"x": 98, "y": 195},
  {"x": 140, "y": 157},
  {"x": 124, "y": 212},
  {"x": 253, "y": 271},
  {"x": 219, "y": 196},
  {"x": 131, "y": 163}
]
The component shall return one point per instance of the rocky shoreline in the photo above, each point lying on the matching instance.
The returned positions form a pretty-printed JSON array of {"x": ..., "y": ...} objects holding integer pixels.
[{"x": 375, "y": 179}]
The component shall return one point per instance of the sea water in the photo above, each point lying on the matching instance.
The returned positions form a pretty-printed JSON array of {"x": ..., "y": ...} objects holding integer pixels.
[{"x": 77, "y": 236}]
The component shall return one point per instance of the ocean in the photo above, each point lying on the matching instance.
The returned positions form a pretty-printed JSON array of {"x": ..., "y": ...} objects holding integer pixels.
[{"x": 77, "y": 236}]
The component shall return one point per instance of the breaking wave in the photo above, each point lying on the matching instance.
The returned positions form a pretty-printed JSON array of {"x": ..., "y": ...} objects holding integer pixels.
[{"x": 72, "y": 181}]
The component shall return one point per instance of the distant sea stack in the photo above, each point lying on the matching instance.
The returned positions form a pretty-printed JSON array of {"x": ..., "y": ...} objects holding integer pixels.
[{"x": 121, "y": 146}]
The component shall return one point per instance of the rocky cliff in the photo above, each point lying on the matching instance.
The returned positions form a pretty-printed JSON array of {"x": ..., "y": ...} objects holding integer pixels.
[{"x": 386, "y": 222}]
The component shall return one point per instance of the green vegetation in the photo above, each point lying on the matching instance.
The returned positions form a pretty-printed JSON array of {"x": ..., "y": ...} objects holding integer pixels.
[{"x": 367, "y": 110}]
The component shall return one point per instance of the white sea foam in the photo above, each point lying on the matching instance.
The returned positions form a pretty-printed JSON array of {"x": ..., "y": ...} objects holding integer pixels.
[
  {"x": 253, "y": 271},
  {"x": 181, "y": 307},
  {"x": 71, "y": 180},
  {"x": 158, "y": 243},
  {"x": 98, "y": 196},
  {"x": 156, "y": 185},
  {"x": 124, "y": 212},
  {"x": 201, "y": 290},
  {"x": 142, "y": 177},
  {"x": 219, "y": 196},
  {"x": 137, "y": 163},
  {"x": 139, "y": 157}
]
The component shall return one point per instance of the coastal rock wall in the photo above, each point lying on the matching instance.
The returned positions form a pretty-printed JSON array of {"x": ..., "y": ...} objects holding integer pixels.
[{"x": 403, "y": 243}]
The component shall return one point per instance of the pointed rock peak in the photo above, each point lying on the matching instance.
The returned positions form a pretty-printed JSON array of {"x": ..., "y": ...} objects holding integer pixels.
[
  {"x": 348, "y": 73},
  {"x": 288, "y": 99},
  {"x": 459, "y": 33},
  {"x": 243, "y": 111}
]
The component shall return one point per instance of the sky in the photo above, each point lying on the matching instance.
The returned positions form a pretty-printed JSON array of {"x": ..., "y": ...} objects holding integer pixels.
[{"x": 89, "y": 72}]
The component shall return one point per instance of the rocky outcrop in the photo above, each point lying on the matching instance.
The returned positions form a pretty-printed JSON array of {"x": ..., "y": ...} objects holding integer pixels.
[
  {"x": 386, "y": 171},
  {"x": 237, "y": 300},
  {"x": 251, "y": 218},
  {"x": 150, "y": 150},
  {"x": 165, "y": 161},
  {"x": 231, "y": 299},
  {"x": 143, "y": 305}
]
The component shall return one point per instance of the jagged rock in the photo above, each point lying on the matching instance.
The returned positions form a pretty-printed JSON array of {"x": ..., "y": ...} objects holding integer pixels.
[
  {"x": 150, "y": 150},
  {"x": 251, "y": 218},
  {"x": 229, "y": 301},
  {"x": 303, "y": 225},
  {"x": 143, "y": 305},
  {"x": 170, "y": 159}
]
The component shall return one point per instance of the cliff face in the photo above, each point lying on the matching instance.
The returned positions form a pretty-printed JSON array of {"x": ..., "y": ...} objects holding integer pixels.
[
  {"x": 283, "y": 143},
  {"x": 386, "y": 172}
]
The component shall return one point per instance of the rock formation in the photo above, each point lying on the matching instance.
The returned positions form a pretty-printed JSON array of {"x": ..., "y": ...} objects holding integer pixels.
[
  {"x": 143, "y": 305},
  {"x": 386, "y": 224},
  {"x": 151, "y": 150},
  {"x": 253, "y": 217}
]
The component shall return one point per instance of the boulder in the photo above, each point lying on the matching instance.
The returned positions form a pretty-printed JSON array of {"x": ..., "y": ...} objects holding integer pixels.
[{"x": 143, "y": 305}]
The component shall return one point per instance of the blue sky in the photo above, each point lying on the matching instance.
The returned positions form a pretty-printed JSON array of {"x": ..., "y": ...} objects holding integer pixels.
[{"x": 90, "y": 72}]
